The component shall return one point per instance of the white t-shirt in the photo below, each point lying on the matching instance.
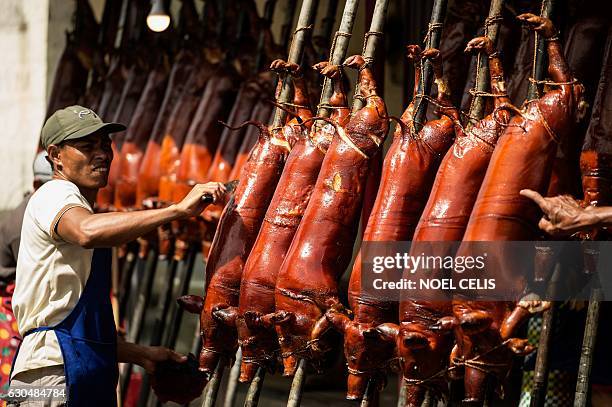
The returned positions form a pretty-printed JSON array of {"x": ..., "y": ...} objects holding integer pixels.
[{"x": 51, "y": 273}]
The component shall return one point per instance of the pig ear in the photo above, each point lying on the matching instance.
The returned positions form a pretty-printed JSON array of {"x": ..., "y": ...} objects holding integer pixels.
[
  {"x": 226, "y": 316},
  {"x": 191, "y": 303},
  {"x": 388, "y": 332},
  {"x": 415, "y": 340}
]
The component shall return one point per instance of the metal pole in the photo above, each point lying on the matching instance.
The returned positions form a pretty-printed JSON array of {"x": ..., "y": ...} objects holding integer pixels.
[
  {"x": 372, "y": 42},
  {"x": 297, "y": 386},
  {"x": 588, "y": 348},
  {"x": 491, "y": 30},
  {"x": 252, "y": 397},
  {"x": 540, "y": 57},
  {"x": 160, "y": 321},
  {"x": 432, "y": 40},
  {"x": 142, "y": 303},
  {"x": 300, "y": 35},
  {"x": 177, "y": 314},
  {"x": 212, "y": 388}
]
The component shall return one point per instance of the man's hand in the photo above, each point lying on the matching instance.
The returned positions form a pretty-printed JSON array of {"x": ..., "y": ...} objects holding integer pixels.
[
  {"x": 193, "y": 204},
  {"x": 152, "y": 355},
  {"x": 563, "y": 215}
]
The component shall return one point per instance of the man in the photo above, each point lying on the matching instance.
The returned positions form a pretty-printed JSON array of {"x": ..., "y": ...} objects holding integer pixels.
[
  {"x": 10, "y": 232},
  {"x": 62, "y": 293},
  {"x": 563, "y": 215}
]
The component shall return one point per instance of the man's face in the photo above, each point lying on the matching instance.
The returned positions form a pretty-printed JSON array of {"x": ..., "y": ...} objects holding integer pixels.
[{"x": 86, "y": 161}]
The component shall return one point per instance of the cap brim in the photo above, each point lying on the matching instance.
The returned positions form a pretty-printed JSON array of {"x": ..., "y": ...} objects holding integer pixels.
[{"x": 103, "y": 128}]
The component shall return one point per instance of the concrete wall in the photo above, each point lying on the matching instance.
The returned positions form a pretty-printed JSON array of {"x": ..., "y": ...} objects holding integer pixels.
[{"x": 23, "y": 67}]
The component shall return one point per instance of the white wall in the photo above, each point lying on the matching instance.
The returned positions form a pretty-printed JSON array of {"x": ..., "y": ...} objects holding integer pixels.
[{"x": 23, "y": 76}]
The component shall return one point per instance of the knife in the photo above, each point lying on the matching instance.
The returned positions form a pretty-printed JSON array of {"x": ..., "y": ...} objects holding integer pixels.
[{"x": 229, "y": 186}]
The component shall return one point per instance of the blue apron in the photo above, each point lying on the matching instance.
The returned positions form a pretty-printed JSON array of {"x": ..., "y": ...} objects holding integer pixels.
[{"x": 88, "y": 340}]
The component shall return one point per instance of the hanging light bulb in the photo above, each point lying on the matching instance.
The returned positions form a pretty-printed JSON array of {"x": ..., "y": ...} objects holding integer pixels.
[{"x": 158, "y": 19}]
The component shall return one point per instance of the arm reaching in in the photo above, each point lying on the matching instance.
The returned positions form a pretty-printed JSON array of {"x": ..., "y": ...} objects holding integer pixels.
[
  {"x": 81, "y": 227},
  {"x": 564, "y": 216}
]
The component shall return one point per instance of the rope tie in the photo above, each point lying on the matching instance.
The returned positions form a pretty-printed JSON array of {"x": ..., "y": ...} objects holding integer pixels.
[
  {"x": 328, "y": 106},
  {"x": 478, "y": 364},
  {"x": 430, "y": 29},
  {"x": 480, "y": 93},
  {"x": 293, "y": 105},
  {"x": 369, "y": 60},
  {"x": 489, "y": 21},
  {"x": 552, "y": 83},
  {"x": 305, "y": 28}
]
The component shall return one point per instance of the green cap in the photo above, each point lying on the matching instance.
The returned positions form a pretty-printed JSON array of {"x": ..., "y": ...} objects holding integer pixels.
[{"x": 74, "y": 122}]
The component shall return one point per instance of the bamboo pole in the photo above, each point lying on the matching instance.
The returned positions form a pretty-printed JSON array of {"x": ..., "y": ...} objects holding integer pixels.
[
  {"x": 297, "y": 386},
  {"x": 540, "y": 57},
  {"x": 212, "y": 388},
  {"x": 588, "y": 348},
  {"x": 252, "y": 397},
  {"x": 338, "y": 51},
  {"x": 232, "y": 382},
  {"x": 491, "y": 30},
  {"x": 372, "y": 42},
  {"x": 302, "y": 31},
  {"x": 540, "y": 374},
  {"x": 432, "y": 40}
]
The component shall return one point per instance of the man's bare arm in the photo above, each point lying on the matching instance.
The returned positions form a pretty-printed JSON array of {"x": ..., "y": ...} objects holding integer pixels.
[
  {"x": 81, "y": 227},
  {"x": 145, "y": 356},
  {"x": 564, "y": 216}
]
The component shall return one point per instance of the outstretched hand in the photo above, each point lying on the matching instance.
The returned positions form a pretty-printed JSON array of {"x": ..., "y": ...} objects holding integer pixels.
[
  {"x": 194, "y": 203},
  {"x": 563, "y": 215}
]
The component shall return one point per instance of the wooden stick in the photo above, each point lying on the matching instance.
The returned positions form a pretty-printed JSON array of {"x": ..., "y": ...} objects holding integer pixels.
[
  {"x": 232, "y": 382},
  {"x": 403, "y": 388},
  {"x": 297, "y": 386},
  {"x": 432, "y": 40},
  {"x": 540, "y": 57},
  {"x": 370, "y": 396},
  {"x": 372, "y": 42},
  {"x": 302, "y": 32},
  {"x": 338, "y": 50},
  {"x": 588, "y": 348},
  {"x": 491, "y": 30},
  {"x": 252, "y": 397},
  {"x": 540, "y": 377},
  {"x": 212, "y": 388}
]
